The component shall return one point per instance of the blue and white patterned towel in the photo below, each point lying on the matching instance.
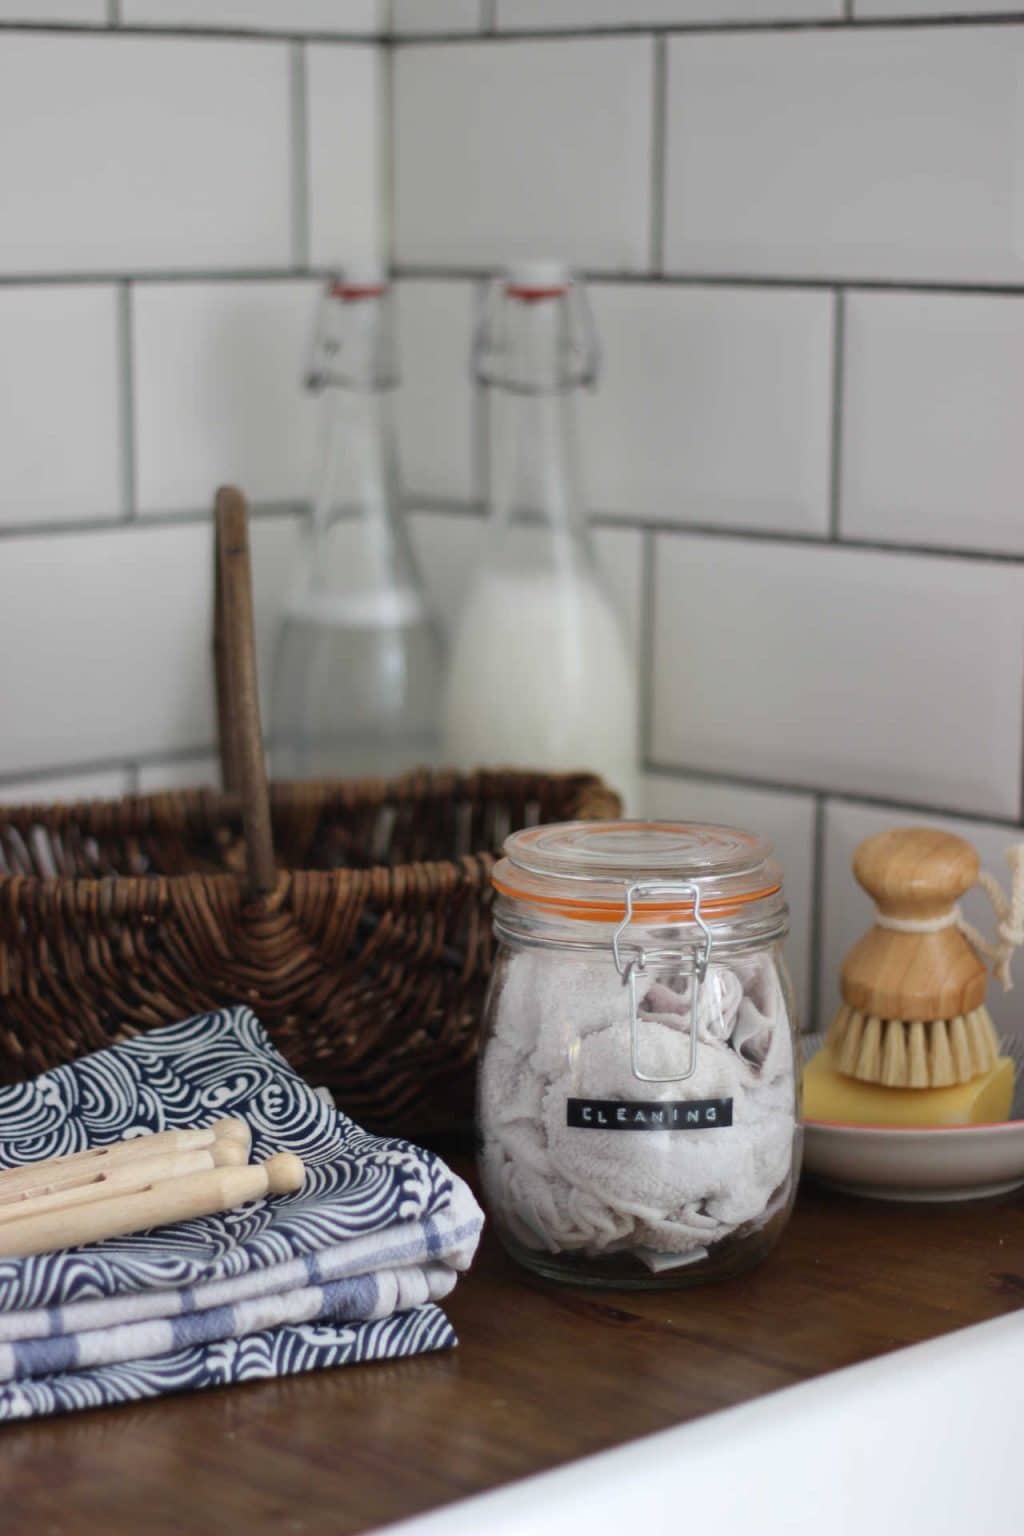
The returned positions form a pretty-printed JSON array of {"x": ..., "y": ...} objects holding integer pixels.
[{"x": 372, "y": 1240}]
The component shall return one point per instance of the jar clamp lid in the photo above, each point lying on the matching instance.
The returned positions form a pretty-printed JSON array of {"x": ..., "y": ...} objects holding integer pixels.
[{"x": 718, "y": 880}]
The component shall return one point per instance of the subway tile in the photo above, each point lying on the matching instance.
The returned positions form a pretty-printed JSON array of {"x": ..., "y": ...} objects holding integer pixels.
[
  {"x": 553, "y": 14},
  {"x": 99, "y": 784},
  {"x": 435, "y": 16},
  {"x": 932, "y": 447},
  {"x": 201, "y": 770},
  {"x": 115, "y": 629},
  {"x": 786, "y": 820},
  {"x": 42, "y": 12},
  {"x": 345, "y": 131},
  {"x": 59, "y": 392},
  {"x": 845, "y": 153},
  {"x": 866, "y": 9},
  {"x": 507, "y": 150},
  {"x": 897, "y": 676},
  {"x": 356, "y": 17},
  {"x": 713, "y": 406},
  {"x": 218, "y": 392},
  {"x": 847, "y": 910},
  {"x": 436, "y": 401},
  {"x": 104, "y": 169}
]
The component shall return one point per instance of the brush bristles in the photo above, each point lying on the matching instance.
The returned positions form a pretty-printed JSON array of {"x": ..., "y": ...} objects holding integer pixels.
[{"x": 939, "y": 1054}]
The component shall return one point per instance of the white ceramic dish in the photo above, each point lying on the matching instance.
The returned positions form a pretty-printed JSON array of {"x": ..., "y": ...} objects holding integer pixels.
[{"x": 956, "y": 1162}]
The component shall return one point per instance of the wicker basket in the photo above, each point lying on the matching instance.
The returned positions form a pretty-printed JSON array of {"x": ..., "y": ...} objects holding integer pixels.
[{"x": 364, "y": 946}]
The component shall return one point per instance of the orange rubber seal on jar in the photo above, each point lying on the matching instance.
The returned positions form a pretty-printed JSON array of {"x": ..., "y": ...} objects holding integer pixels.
[{"x": 609, "y": 911}]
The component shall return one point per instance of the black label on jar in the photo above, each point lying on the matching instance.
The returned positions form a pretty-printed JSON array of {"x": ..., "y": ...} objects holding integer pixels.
[{"x": 661, "y": 1115}]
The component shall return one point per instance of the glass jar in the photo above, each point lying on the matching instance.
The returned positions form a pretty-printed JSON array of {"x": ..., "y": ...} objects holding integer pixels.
[{"x": 638, "y": 1093}]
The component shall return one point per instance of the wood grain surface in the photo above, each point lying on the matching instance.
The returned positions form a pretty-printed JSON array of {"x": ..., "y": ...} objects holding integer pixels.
[{"x": 543, "y": 1375}]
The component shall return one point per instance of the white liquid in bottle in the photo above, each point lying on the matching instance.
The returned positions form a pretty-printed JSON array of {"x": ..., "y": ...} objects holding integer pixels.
[{"x": 540, "y": 676}]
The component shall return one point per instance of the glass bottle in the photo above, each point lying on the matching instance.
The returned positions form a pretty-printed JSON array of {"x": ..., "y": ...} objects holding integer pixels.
[
  {"x": 358, "y": 667},
  {"x": 540, "y": 673}
]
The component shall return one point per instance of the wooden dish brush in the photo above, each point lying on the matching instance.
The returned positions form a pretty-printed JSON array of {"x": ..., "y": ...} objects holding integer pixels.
[{"x": 913, "y": 1012}]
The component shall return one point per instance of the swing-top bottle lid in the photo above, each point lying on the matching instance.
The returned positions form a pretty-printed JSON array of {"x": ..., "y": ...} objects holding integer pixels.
[
  {"x": 354, "y": 343},
  {"x": 533, "y": 347},
  {"x": 531, "y": 281}
]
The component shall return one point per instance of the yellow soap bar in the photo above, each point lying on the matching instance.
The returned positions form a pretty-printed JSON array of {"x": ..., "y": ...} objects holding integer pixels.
[{"x": 829, "y": 1095}]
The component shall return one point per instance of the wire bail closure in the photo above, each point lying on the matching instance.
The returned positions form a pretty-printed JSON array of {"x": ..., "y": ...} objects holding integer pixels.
[{"x": 634, "y": 970}]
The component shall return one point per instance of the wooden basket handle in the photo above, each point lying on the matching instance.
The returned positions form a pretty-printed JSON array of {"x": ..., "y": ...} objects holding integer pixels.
[{"x": 243, "y": 766}]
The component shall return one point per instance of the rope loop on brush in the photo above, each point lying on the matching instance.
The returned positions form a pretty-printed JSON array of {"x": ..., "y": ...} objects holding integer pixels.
[{"x": 1009, "y": 912}]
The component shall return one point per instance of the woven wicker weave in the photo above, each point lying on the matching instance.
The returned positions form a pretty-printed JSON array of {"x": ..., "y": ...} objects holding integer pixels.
[{"x": 364, "y": 947}]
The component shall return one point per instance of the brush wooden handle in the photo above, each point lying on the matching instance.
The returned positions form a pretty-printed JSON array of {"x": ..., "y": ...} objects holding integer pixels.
[
  {"x": 179, "y": 1199},
  {"x": 914, "y": 874},
  {"x": 13, "y": 1180},
  {"x": 118, "y": 1179}
]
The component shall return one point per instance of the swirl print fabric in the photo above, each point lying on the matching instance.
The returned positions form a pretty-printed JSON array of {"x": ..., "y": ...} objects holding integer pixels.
[{"x": 346, "y": 1269}]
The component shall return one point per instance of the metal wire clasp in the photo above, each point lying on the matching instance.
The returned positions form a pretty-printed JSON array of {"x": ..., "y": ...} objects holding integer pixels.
[{"x": 634, "y": 970}]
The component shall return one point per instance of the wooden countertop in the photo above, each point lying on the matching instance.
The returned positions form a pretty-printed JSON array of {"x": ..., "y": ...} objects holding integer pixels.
[{"x": 543, "y": 1375}]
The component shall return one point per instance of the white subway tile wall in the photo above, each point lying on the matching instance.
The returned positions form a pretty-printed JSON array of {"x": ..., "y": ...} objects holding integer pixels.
[
  {"x": 346, "y": 17},
  {"x": 60, "y": 401},
  {"x": 201, "y": 177},
  {"x": 868, "y": 673},
  {"x": 503, "y": 148},
  {"x": 933, "y": 451},
  {"x": 557, "y": 15},
  {"x": 195, "y": 427},
  {"x": 715, "y": 406},
  {"x": 425, "y": 16},
  {"x": 804, "y": 245},
  {"x": 114, "y": 659},
  {"x": 847, "y": 153},
  {"x": 343, "y": 108},
  {"x": 43, "y": 12}
]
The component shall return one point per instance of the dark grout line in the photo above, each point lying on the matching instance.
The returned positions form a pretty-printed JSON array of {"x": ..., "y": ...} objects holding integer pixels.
[
  {"x": 178, "y": 275},
  {"x": 132, "y": 767},
  {"x": 388, "y": 164},
  {"x": 805, "y": 790},
  {"x": 645, "y": 659},
  {"x": 488, "y": 17},
  {"x": 299, "y": 125},
  {"x": 647, "y": 524},
  {"x": 702, "y": 28},
  {"x": 836, "y": 444},
  {"x": 433, "y": 506},
  {"x": 448, "y": 272},
  {"x": 126, "y": 401},
  {"x": 659, "y": 128},
  {"x": 481, "y": 416},
  {"x": 453, "y": 272},
  {"x": 115, "y": 27},
  {"x": 185, "y": 518},
  {"x": 816, "y": 935}
]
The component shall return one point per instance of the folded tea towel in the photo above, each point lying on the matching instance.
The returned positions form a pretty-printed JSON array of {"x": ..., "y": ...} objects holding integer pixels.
[
  {"x": 276, "y": 1352},
  {"x": 380, "y": 1227},
  {"x": 444, "y": 1243}
]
